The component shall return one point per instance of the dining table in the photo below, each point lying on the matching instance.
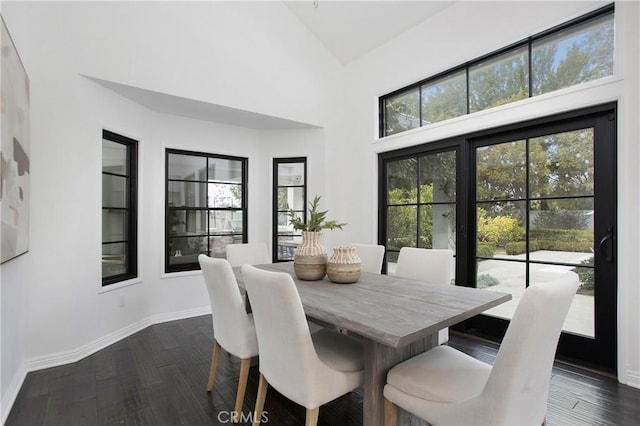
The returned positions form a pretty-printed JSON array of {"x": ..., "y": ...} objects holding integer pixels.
[{"x": 396, "y": 318}]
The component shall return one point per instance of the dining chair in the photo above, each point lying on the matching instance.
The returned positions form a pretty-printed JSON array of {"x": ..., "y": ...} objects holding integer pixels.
[
  {"x": 251, "y": 253},
  {"x": 233, "y": 329},
  {"x": 371, "y": 257},
  {"x": 310, "y": 370},
  {"x": 444, "y": 386},
  {"x": 432, "y": 266}
]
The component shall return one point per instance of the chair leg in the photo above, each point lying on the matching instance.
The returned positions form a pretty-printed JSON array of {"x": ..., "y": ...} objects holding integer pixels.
[
  {"x": 390, "y": 413},
  {"x": 215, "y": 358},
  {"x": 312, "y": 416},
  {"x": 260, "y": 397},
  {"x": 242, "y": 386}
]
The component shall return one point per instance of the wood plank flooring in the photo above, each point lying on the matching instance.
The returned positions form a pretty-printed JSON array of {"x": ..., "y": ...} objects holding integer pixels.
[{"x": 158, "y": 376}]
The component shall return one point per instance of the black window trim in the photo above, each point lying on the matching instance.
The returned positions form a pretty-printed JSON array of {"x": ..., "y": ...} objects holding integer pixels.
[
  {"x": 131, "y": 206},
  {"x": 187, "y": 267},
  {"x": 382, "y": 119},
  {"x": 276, "y": 162}
]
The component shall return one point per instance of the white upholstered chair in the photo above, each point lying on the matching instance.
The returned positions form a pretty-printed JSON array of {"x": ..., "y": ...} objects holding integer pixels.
[
  {"x": 447, "y": 387},
  {"x": 371, "y": 256},
  {"x": 310, "y": 370},
  {"x": 251, "y": 253},
  {"x": 233, "y": 329},
  {"x": 432, "y": 266}
]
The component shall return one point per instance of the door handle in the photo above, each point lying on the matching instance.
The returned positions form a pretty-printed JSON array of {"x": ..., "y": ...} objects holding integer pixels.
[{"x": 606, "y": 245}]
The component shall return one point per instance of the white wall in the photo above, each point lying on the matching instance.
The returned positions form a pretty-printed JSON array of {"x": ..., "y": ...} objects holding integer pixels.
[
  {"x": 258, "y": 59},
  {"x": 255, "y": 57},
  {"x": 460, "y": 33}
]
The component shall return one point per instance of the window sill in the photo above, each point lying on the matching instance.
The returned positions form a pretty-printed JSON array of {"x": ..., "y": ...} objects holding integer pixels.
[{"x": 118, "y": 285}]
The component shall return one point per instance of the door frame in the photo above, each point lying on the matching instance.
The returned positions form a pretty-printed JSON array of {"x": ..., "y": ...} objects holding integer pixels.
[{"x": 600, "y": 352}]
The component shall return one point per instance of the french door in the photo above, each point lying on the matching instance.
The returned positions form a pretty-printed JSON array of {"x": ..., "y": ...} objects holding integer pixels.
[
  {"x": 533, "y": 201},
  {"x": 544, "y": 204}
]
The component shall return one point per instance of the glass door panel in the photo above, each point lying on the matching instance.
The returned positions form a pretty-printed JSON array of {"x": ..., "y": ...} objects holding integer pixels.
[
  {"x": 420, "y": 203},
  {"x": 535, "y": 213}
]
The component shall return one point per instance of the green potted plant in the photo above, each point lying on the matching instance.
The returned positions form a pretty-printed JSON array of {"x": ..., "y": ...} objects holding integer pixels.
[
  {"x": 317, "y": 219},
  {"x": 310, "y": 259}
]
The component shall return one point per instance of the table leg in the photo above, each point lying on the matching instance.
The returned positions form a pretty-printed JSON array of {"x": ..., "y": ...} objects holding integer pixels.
[{"x": 378, "y": 360}]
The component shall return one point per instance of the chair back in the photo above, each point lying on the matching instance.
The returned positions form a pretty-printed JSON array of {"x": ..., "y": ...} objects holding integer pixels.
[
  {"x": 371, "y": 256},
  {"x": 288, "y": 359},
  {"x": 518, "y": 385},
  {"x": 432, "y": 266},
  {"x": 251, "y": 253},
  {"x": 232, "y": 326}
]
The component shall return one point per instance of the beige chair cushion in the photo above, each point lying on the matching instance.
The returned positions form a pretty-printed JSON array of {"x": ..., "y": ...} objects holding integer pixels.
[{"x": 442, "y": 374}]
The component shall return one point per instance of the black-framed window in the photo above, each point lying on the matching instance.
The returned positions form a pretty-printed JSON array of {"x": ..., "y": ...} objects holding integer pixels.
[
  {"x": 289, "y": 193},
  {"x": 119, "y": 208},
  {"x": 575, "y": 52},
  {"x": 206, "y": 206}
]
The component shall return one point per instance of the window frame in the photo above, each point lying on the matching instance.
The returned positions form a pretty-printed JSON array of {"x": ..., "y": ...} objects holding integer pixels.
[
  {"x": 195, "y": 266},
  {"x": 525, "y": 43},
  {"x": 131, "y": 207},
  {"x": 276, "y": 211}
]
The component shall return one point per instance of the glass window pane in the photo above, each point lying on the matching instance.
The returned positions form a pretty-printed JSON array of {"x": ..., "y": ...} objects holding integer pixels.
[
  {"x": 562, "y": 164},
  {"x": 114, "y": 225},
  {"x": 114, "y": 157},
  {"x": 196, "y": 222},
  {"x": 561, "y": 230},
  {"x": 114, "y": 191},
  {"x": 438, "y": 226},
  {"x": 291, "y": 174},
  {"x": 500, "y": 229},
  {"x": 402, "y": 227},
  {"x": 444, "y": 99},
  {"x": 573, "y": 56},
  {"x": 177, "y": 222},
  {"x": 186, "y": 167},
  {"x": 223, "y": 195},
  {"x": 402, "y": 112},
  {"x": 188, "y": 194},
  {"x": 402, "y": 180},
  {"x": 114, "y": 259},
  {"x": 186, "y": 249},
  {"x": 499, "y": 80},
  {"x": 286, "y": 247},
  {"x": 225, "y": 222},
  {"x": 291, "y": 198},
  {"x": 222, "y": 170},
  {"x": 501, "y": 172},
  {"x": 505, "y": 276},
  {"x": 284, "y": 222},
  {"x": 438, "y": 177}
]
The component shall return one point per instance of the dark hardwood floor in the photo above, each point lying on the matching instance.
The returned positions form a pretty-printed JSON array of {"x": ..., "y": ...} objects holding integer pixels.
[{"x": 158, "y": 376}]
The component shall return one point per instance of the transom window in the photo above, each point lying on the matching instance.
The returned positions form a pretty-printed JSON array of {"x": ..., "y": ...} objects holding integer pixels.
[
  {"x": 570, "y": 54},
  {"x": 206, "y": 206}
]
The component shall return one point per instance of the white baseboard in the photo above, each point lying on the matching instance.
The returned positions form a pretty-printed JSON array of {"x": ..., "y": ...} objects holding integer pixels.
[
  {"x": 633, "y": 378},
  {"x": 67, "y": 357},
  {"x": 12, "y": 393}
]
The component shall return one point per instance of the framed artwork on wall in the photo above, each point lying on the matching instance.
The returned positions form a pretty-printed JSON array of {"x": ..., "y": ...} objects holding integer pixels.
[{"x": 14, "y": 151}]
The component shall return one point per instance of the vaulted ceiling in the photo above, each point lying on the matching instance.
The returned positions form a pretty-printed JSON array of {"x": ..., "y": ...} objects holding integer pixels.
[{"x": 352, "y": 28}]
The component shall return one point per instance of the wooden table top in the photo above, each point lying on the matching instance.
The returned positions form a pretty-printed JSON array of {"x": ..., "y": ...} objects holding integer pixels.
[{"x": 390, "y": 310}]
